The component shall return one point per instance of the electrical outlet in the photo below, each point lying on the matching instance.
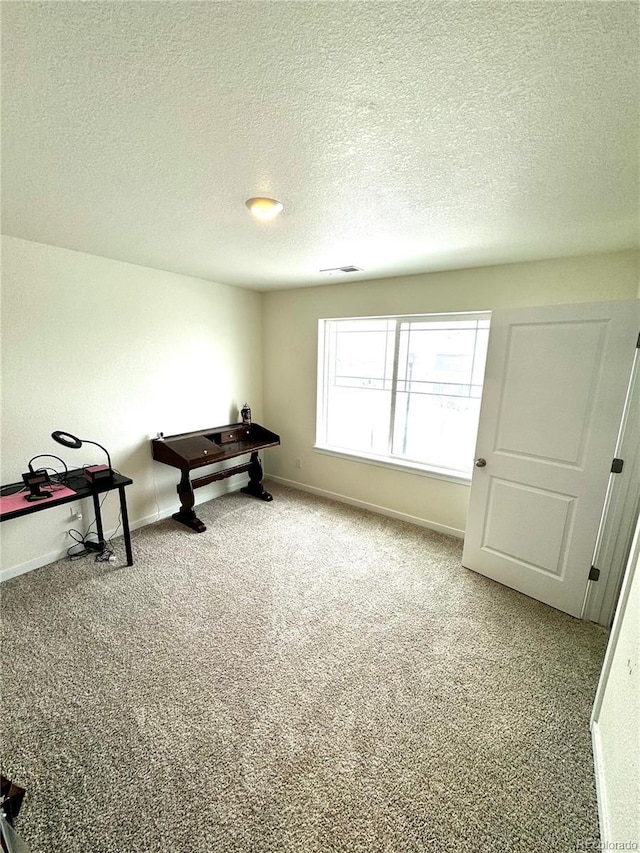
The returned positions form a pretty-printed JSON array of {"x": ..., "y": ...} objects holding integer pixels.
[
  {"x": 298, "y": 463},
  {"x": 76, "y": 514}
]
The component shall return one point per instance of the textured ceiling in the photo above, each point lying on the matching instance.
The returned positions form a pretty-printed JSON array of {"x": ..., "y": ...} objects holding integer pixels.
[{"x": 401, "y": 137}]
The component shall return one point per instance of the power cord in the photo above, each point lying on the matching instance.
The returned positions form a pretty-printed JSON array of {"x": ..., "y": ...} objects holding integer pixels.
[
  {"x": 60, "y": 477},
  {"x": 13, "y": 489},
  {"x": 84, "y": 546},
  {"x": 155, "y": 492},
  {"x": 104, "y": 552},
  {"x": 56, "y": 480}
]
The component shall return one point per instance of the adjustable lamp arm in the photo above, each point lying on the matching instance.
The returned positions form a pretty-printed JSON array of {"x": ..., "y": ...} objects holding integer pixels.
[
  {"x": 70, "y": 441},
  {"x": 86, "y": 441}
]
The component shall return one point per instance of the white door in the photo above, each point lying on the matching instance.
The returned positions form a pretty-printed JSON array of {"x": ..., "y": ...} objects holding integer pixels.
[{"x": 554, "y": 392}]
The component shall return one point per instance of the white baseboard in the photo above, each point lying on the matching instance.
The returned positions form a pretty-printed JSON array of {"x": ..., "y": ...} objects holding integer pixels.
[
  {"x": 380, "y": 510},
  {"x": 601, "y": 788},
  {"x": 30, "y": 565},
  {"x": 224, "y": 488},
  {"x": 54, "y": 556},
  {"x": 213, "y": 491}
]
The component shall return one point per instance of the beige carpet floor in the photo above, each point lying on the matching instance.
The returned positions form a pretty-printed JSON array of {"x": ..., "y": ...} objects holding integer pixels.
[{"x": 304, "y": 676}]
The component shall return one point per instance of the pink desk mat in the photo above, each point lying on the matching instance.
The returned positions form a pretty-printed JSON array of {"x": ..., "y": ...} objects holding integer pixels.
[{"x": 11, "y": 503}]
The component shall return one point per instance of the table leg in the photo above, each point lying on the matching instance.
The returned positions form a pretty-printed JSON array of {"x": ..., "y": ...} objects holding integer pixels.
[
  {"x": 125, "y": 525},
  {"x": 98, "y": 513},
  {"x": 255, "y": 486},
  {"x": 185, "y": 514}
]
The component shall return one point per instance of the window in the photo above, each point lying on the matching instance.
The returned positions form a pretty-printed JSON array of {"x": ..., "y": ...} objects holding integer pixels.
[{"x": 403, "y": 390}]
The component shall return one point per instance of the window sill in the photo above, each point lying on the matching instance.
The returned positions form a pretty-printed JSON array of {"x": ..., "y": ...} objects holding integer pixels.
[{"x": 408, "y": 467}]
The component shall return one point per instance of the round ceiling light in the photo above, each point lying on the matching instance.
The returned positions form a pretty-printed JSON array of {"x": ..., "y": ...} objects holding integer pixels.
[{"x": 264, "y": 208}]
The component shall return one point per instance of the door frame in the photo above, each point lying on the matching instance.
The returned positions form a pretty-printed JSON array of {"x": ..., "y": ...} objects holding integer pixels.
[
  {"x": 630, "y": 569},
  {"x": 620, "y": 514}
]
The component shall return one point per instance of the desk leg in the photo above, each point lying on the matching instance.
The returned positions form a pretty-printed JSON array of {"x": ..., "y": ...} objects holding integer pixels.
[
  {"x": 96, "y": 507},
  {"x": 125, "y": 525},
  {"x": 255, "y": 486},
  {"x": 185, "y": 514}
]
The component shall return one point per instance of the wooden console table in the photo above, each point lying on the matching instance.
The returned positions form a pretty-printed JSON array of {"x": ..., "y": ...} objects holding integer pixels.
[{"x": 190, "y": 450}]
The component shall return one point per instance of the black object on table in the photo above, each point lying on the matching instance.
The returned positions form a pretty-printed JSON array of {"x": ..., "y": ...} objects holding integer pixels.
[
  {"x": 77, "y": 481},
  {"x": 189, "y": 450}
]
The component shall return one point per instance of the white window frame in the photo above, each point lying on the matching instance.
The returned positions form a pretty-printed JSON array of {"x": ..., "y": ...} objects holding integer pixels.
[{"x": 369, "y": 458}]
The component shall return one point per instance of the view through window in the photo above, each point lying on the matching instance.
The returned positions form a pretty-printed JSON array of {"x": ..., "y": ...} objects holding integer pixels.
[{"x": 403, "y": 389}]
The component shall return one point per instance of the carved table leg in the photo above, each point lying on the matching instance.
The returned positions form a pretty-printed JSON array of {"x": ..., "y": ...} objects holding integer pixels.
[
  {"x": 255, "y": 480},
  {"x": 185, "y": 514}
]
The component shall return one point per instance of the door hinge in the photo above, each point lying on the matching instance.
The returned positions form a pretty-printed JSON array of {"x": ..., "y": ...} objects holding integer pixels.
[
  {"x": 594, "y": 574},
  {"x": 617, "y": 465},
  {"x": 638, "y": 341}
]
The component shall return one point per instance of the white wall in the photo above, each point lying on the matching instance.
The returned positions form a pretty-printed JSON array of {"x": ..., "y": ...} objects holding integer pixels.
[
  {"x": 114, "y": 352},
  {"x": 290, "y": 348},
  {"x": 616, "y": 716}
]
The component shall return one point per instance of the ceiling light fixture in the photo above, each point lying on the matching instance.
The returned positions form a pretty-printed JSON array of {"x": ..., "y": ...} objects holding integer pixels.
[{"x": 264, "y": 208}]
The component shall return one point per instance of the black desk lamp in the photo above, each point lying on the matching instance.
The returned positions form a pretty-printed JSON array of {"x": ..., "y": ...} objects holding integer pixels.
[{"x": 93, "y": 473}]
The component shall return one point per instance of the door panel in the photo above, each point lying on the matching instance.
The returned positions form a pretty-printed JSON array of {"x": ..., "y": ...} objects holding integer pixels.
[
  {"x": 505, "y": 535},
  {"x": 534, "y": 353},
  {"x": 554, "y": 390}
]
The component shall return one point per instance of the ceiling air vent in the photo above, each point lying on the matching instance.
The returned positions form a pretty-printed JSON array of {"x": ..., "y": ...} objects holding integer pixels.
[{"x": 349, "y": 268}]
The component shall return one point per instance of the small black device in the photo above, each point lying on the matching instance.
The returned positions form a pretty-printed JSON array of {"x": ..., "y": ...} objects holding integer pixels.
[
  {"x": 98, "y": 473},
  {"x": 35, "y": 479}
]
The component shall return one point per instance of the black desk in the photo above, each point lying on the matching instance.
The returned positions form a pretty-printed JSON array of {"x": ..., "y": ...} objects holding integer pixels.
[{"x": 77, "y": 481}]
